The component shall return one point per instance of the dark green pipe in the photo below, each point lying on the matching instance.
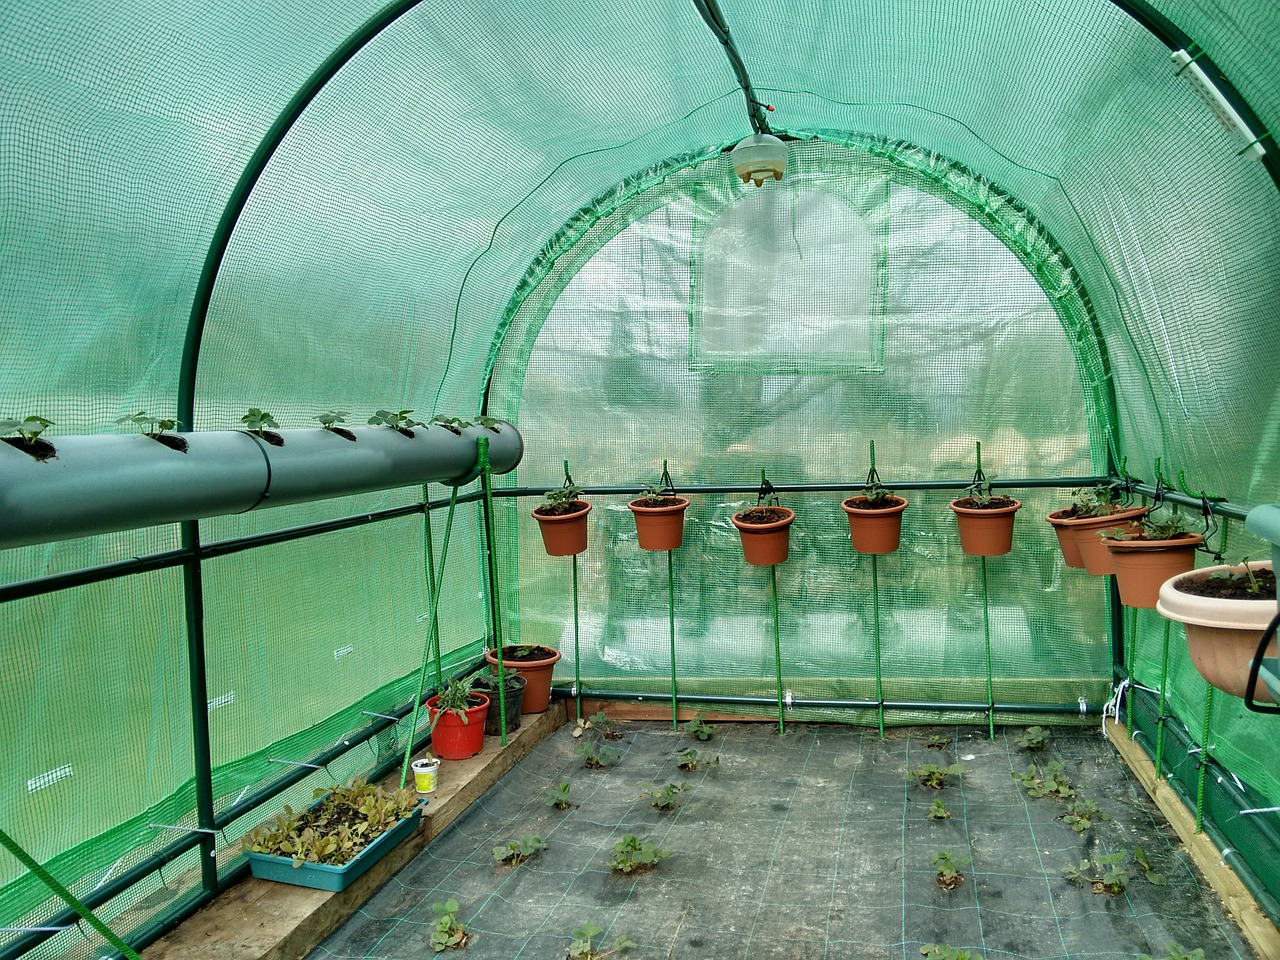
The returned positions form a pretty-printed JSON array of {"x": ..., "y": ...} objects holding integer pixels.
[
  {"x": 710, "y": 12},
  {"x": 1222, "y": 508},
  {"x": 1175, "y": 38},
  {"x": 249, "y": 177},
  {"x": 1065, "y": 483},
  {"x": 193, "y": 596}
]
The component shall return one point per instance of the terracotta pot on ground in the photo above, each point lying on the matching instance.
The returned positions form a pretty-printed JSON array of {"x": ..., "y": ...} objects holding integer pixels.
[
  {"x": 765, "y": 544},
  {"x": 1086, "y": 531},
  {"x": 1222, "y": 634},
  {"x": 985, "y": 532},
  {"x": 565, "y": 534},
  {"x": 536, "y": 672},
  {"x": 451, "y": 739},
  {"x": 661, "y": 527},
  {"x": 875, "y": 530},
  {"x": 1143, "y": 565}
]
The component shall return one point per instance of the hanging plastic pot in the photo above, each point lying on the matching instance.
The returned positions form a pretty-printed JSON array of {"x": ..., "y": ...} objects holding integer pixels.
[
  {"x": 986, "y": 531},
  {"x": 1087, "y": 533},
  {"x": 536, "y": 664},
  {"x": 1143, "y": 565},
  {"x": 875, "y": 529},
  {"x": 1223, "y": 633},
  {"x": 766, "y": 534}
]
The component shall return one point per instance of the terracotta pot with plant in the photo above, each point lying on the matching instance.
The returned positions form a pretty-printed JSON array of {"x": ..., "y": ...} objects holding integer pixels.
[
  {"x": 457, "y": 720},
  {"x": 536, "y": 664},
  {"x": 984, "y": 519},
  {"x": 1145, "y": 557},
  {"x": 875, "y": 516},
  {"x": 765, "y": 529},
  {"x": 562, "y": 519},
  {"x": 1092, "y": 511},
  {"x": 659, "y": 514},
  {"x": 1224, "y": 610}
]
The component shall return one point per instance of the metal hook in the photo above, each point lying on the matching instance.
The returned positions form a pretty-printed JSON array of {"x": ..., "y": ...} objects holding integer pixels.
[{"x": 666, "y": 481}]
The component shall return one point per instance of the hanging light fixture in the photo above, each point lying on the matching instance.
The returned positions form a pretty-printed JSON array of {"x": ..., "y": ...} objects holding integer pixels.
[{"x": 759, "y": 157}]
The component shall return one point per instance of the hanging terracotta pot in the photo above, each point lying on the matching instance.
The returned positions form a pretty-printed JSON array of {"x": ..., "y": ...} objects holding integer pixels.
[
  {"x": 564, "y": 534},
  {"x": 451, "y": 739},
  {"x": 1222, "y": 633},
  {"x": 985, "y": 531},
  {"x": 766, "y": 534},
  {"x": 1087, "y": 534},
  {"x": 659, "y": 526},
  {"x": 875, "y": 529},
  {"x": 1066, "y": 542},
  {"x": 1143, "y": 565},
  {"x": 536, "y": 664}
]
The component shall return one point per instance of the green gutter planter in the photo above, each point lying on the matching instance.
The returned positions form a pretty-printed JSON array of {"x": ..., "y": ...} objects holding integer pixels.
[
  {"x": 324, "y": 876},
  {"x": 103, "y": 484}
]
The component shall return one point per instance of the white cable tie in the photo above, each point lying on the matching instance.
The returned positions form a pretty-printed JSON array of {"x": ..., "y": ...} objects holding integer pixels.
[
  {"x": 1254, "y": 810},
  {"x": 787, "y": 700},
  {"x": 169, "y": 826},
  {"x": 1084, "y": 706},
  {"x": 1222, "y": 859},
  {"x": 384, "y": 716},
  {"x": 1239, "y": 782},
  {"x": 295, "y": 763},
  {"x": 36, "y": 929}
]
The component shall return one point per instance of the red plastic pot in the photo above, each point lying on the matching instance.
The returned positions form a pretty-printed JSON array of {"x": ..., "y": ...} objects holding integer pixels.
[{"x": 451, "y": 739}]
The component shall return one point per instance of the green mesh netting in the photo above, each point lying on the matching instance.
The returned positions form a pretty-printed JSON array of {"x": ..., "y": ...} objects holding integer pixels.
[{"x": 483, "y": 203}]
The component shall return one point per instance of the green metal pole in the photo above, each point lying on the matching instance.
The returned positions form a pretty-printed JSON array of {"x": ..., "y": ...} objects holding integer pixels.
[
  {"x": 1204, "y": 758},
  {"x": 486, "y": 485},
  {"x": 577, "y": 654},
  {"x": 671, "y": 620},
  {"x": 49, "y": 881},
  {"x": 986, "y": 631},
  {"x": 193, "y": 603},
  {"x": 426, "y": 653},
  {"x": 1132, "y": 630},
  {"x": 1164, "y": 682},
  {"x": 875, "y": 634},
  {"x": 777, "y": 644},
  {"x": 430, "y": 551}
]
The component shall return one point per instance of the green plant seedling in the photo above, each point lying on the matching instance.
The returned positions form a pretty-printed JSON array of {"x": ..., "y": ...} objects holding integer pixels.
[
  {"x": 27, "y": 428},
  {"x": 560, "y": 501},
  {"x": 259, "y": 421},
  {"x": 934, "y": 951},
  {"x": 331, "y": 418},
  {"x": 596, "y": 756},
  {"x": 1176, "y": 951},
  {"x": 1105, "y": 874},
  {"x": 1149, "y": 873},
  {"x": 149, "y": 426},
  {"x": 558, "y": 796},
  {"x": 949, "y": 863},
  {"x": 938, "y": 743},
  {"x": 455, "y": 698},
  {"x": 690, "y": 760},
  {"x": 1054, "y": 784},
  {"x": 1153, "y": 526},
  {"x": 1083, "y": 814},
  {"x": 933, "y": 776},
  {"x": 938, "y": 811},
  {"x": 1034, "y": 739},
  {"x": 400, "y": 421},
  {"x": 697, "y": 729},
  {"x": 631, "y": 854},
  {"x": 347, "y": 820},
  {"x": 515, "y": 852},
  {"x": 448, "y": 932},
  {"x": 581, "y": 948},
  {"x": 607, "y": 726},
  {"x": 663, "y": 798}
]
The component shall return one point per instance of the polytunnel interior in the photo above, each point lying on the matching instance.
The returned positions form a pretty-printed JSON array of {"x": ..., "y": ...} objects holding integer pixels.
[{"x": 1001, "y": 223}]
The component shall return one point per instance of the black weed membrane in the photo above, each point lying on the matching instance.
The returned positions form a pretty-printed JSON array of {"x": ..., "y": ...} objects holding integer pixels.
[{"x": 825, "y": 843}]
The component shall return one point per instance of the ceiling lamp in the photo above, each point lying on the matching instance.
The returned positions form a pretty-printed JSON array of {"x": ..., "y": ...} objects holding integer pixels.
[{"x": 759, "y": 157}]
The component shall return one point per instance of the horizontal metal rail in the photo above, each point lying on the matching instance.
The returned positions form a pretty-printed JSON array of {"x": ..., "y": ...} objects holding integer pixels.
[{"x": 746, "y": 700}]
